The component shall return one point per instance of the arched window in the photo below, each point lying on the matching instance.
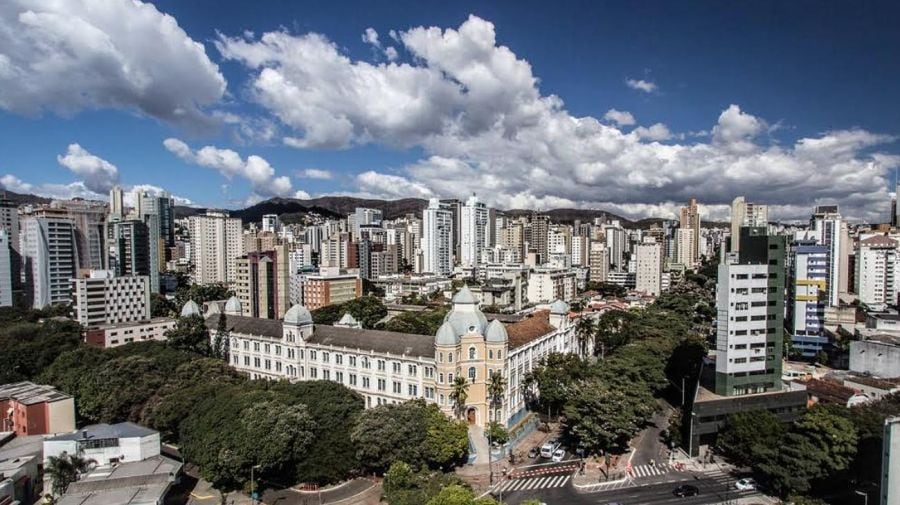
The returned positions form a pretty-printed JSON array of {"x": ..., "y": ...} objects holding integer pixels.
[
  {"x": 499, "y": 354},
  {"x": 491, "y": 354},
  {"x": 472, "y": 352},
  {"x": 472, "y": 373},
  {"x": 450, "y": 357},
  {"x": 440, "y": 357}
]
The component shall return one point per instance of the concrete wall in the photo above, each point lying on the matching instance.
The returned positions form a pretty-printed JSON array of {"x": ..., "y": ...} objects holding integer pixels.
[{"x": 875, "y": 358}]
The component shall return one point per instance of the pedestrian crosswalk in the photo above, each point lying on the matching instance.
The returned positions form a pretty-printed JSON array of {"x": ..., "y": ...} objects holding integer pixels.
[
  {"x": 549, "y": 482},
  {"x": 642, "y": 471}
]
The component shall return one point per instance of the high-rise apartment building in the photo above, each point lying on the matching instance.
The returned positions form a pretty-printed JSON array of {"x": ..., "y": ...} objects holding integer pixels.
[
  {"x": 116, "y": 203},
  {"x": 581, "y": 249},
  {"x": 537, "y": 236},
  {"x": 746, "y": 214},
  {"x": 364, "y": 217},
  {"x": 90, "y": 231},
  {"x": 263, "y": 283},
  {"x": 877, "y": 271},
  {"x": 615, "y": 246},
  {"x": 130, "y": 250},
  {"x": 216, "y": 243},
  {"x": 6, "y": 270},
  {"x": 599, "y": 262},
  {"x": 512, "y": 238},
  {"x": 750, "y": 304},
  {"x": 102, "y": 299},
  {"x": 454, "y": 206},
  {"x": 684, "y": 247},
  {"x": 807, "y": 297},
  {"x": 271, "y": 223},
  {"x": 328, "y": 289},
  {"x": 648, "y": 272},
  {"x": 437, "y": 238},
  {"x": 690, "y": 220},
  {"x": 473, "y": 231},
  {"x": 9, "y": 221},
  {"x": 829, "y": 229},
  {"x": 48, "y": 248}
]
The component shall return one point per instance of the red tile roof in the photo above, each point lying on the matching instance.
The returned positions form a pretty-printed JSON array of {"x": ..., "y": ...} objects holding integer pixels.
[{"x": 534, "y": 326}]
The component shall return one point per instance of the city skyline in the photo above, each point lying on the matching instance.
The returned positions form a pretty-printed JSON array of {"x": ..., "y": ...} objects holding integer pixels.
[{"x": 234, "y": 106}]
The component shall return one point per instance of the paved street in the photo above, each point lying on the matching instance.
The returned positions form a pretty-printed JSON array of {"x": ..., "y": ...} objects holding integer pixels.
[{"x": 714, "y": 488}]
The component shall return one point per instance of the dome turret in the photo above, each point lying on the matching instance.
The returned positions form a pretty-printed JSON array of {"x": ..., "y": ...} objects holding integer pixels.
[
  {"x": 298, "y": 315},
  {"x": 233, "y": 307},
  {"x": 559, "y": 307},
  {"x": 446, "y": 335},
  {"x": 190, "y": 309},
  {"x": 496, "y": 332}
]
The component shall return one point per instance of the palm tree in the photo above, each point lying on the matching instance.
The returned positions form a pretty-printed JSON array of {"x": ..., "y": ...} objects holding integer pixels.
[
  {"x": 584, "y": 331},
  {"x": 66, "y": 469},
  {"x": 496, "y": 388},
  {"x": 459, "y": 395}
]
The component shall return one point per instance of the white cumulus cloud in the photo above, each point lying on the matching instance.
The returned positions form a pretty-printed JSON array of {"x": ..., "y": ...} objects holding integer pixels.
[
  {"x": 477, "y": 112},
  {"x": 98, "y": 174},
  {"x": 254, "y": 169},
  {"x": 619, "y": 117},
  {"x": 641, "y": 85},
  {"x": 64, "y": 56}
]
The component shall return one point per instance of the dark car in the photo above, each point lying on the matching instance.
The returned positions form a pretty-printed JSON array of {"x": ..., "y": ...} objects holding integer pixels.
[
  {"x": 534, "y": 452},
  {"x": 685, "y": 490}
]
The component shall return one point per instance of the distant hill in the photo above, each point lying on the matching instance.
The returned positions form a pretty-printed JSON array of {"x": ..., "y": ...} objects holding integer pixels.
[{"x": 22, "y": 198}]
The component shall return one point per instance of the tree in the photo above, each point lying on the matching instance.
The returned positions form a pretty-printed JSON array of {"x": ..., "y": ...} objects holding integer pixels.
[
  {"x": 160, "y": 306},
  {"x": 419, "y": 323},
  {"x": 458, "y": 495},
  {"x": 612, "y": 331},
  {"x": 459, "y": 394},
  {"x": 750, "y": 436},
  {"x": 817, "y": 447},
  {"x": 221, "y": 342},
  {"x": 66, "y": 469},
  {"x": 404, "y": 486},
  {"x": 496, "y": 390},
  {"x": 498, "y": 433},
  {"x": 446, "y": 440},
  {"x": 200, "y": 293},
  {"x": 553, "y": 377},
  {"x": 368, "y": 310},
  {"x": 30, "y": 347},
  {"x": 603, "y": 417},
  {"x": 584, "y": 332},
  {"x": 190, "y": 334}
]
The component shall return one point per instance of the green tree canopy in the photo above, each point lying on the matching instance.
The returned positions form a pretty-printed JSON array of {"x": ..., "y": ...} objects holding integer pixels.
[
  {"x": 368, "y": 310},
  {"x": 190, "y": 334}
]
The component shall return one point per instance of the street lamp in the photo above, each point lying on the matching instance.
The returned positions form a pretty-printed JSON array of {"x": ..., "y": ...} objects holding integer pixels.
[
  {"x": 865, "y": 496},
  {"x": 691, "y": 436},
  {"x": 253, "y": 484}
]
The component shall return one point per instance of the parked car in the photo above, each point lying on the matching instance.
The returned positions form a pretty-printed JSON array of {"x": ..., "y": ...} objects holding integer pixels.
[
  {"x": 559, "y": 455},
  {"x": 534, "y": 452},
  {"x": 685, "y": 490},
  {"x": 549, "y": 448},
  {"x": 745, "y": 484}
]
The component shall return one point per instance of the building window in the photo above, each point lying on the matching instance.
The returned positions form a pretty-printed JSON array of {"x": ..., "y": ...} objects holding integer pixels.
[
  {"x": 365, "y": 383},
  {"x": 339, "y": 359},
  {"x": 411, "y": 370},
  {"x": 472, "y": 373},
  {"x": 440, "y": 378},
  {"x": 396, "y": 367},
  {"x": 246, "y": 360},
  {"x": 313, "y": 373},
  {"x": 324, "y": 357},
  {"x": 312, "y": 355},
  {"x": 277, "y": 366},
  {"x": 256, "y": 362},
  {"x": 268, "y": 364},
  {"x": 366, "y": 364},
  {"x": 499, "y": 354},
  {"x": 277, "y": 350},
  {"x": 352, "y": 361},
  {"x": 246, "y": 345},
  {"x": 352, "y": 378},
  {"x": 256, "y": 346},
  {"x": 382, "y": 384},
  {"x": 471, "y": 352},
  {"x": 440, "y": 357},
  {"x": 339, "y": 377},
  {"x": 397, "y": 387},
  {"x": 449, "y": 378},
  {"x": 449, "y": 357},
  {"x": 441, "y": 400},
  {"x": 413, "y": 390},
  {"x": 381, "y": 365},
  {"x": 491, "y": 354},
  {"x": 267, "y": 348}
]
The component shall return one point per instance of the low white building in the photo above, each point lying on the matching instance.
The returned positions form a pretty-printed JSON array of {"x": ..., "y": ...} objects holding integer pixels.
[
  {"x": 548, "y": 284},
  {"x": 106, "y": 443},
  {"x": 114, "y": 335}
]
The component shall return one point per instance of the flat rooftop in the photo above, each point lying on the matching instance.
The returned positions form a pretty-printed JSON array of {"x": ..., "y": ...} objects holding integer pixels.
[
  {"x": 29, "y": 393},
  {"x": 138, "y": 483},
  {"x": 705, "y": 395}
]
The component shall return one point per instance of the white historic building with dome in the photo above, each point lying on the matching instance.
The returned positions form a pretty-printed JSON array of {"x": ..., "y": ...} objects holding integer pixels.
[{"x": 389, "y": 367}]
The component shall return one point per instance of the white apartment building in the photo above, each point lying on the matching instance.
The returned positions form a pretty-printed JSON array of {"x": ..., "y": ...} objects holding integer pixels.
[
  {"x": 437, "y": 238},
  {"x": 742, "y": 304},
  {"x": 6, "y": 280},
  {"x": 548, "y": 284},
  {"x": 829, "y": 229},
  {"x": 648, "y": 271},
  {"x": 474, "y": 231},
  {"x": 387, "y": 367},
  {"x": 271, "y": 223},
  {"x": 48, "y": 255},
  {"x": 746, "y": 214},
  {"x": 684, "y": 247},
  {"x": 9, "y": 221},
  {"x": 598, "y": 261},
  {"x": 216, "y": 243},
  {"x": 877, "y": 271},
  {"x": 615, "y": 245},
  {"x": 101, "y": 298},
  {"x": 581, "y": 249}
]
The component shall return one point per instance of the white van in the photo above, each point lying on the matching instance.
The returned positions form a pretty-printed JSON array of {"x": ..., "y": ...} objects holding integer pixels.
[{"x": 549, "y": 448}]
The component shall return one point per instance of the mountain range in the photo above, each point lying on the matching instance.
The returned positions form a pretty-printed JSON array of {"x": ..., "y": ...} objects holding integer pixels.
[{"x": 291, "y": 210}]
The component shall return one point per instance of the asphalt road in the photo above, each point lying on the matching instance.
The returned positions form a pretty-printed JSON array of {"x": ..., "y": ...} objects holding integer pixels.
[{"x": 712, "y": 490}]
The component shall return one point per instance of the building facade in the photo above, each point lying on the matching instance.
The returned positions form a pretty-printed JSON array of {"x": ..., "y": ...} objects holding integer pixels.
[
  {"x": 388, "y": 367},
  {"x": 474, "y": 231},
  {"x": 648, "y": 272},
  {"x": 103, "y": 299},
  {"x": 49, "y": 256},
  {"x": 877, "y": 271},
  {"x": 33, "y": 409},
  {"x": 437, "y": 238},
  {"x": 114, "y": 335},
  {"x": 807, "y": 297},
  {"x": 216, "y": 243},
  {"x": 327, "y": 289}
]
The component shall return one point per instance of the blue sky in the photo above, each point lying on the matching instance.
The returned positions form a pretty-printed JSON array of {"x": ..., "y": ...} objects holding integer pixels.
[{"x": 790, "y": 103}]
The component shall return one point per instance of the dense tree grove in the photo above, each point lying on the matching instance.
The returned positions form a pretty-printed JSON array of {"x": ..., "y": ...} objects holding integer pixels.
[
  {"x": 368, "y": 310},
  {"x": 30, "y": 340},
  {"x": 639, "y": 353},
  {"x": 426, "y": 322}
]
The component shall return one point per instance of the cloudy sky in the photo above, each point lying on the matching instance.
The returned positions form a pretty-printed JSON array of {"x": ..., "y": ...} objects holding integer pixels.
[{"x": 611, "y": 105}]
